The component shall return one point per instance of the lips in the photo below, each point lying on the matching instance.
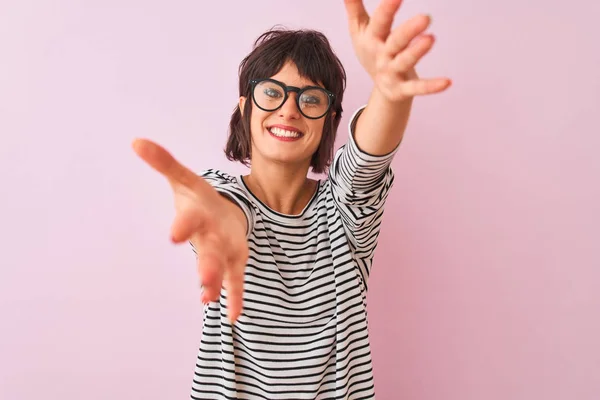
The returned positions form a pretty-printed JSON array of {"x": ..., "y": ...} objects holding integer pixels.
[{"x": 285, "y": 132}]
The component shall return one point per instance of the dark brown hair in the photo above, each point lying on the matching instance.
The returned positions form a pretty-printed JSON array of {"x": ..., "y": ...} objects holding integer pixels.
[{"x": 312, "y": 54}]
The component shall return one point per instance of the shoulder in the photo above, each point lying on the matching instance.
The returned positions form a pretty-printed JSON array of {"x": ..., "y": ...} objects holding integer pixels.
[{"x": 218, "y": 176}]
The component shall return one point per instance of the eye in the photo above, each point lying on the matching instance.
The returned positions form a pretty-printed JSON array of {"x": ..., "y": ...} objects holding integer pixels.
[
  {"x": 311, "y": 100},
  {"x": 271, "y": 92}
]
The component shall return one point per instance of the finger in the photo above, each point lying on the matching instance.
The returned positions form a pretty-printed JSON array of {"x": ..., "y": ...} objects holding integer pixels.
[
  {"x": 422, "y": 87},
  {"x": 210, "y": 272},
  {"x": 162, "y": 161},
  {"x": 234, "y": 284},
  {"x": 187, "y": 221},
  {"x": 357, "y": 14},
  {"x": 403, "y": 35},
  {"x": 408, "y": 58},
  {"x": 383, "y": 18}
]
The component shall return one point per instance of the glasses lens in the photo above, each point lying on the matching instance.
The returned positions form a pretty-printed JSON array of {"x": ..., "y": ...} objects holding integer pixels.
[
  {"x": 268, "y": 95},
  {"x": 314, "y": 103}
]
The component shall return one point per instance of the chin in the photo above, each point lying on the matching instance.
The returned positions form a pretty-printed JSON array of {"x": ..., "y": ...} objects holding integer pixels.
[
  {"x": 284, "y": 157},
  {"x": 289, "y": 160}
]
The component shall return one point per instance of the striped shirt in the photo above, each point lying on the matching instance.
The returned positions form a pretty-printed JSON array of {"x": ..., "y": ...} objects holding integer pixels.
[{"x": 303, "y": 331}]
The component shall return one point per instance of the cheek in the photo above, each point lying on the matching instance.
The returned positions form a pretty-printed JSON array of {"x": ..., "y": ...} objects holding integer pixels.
[
  {"x": 317, "y": 128},
  {"x": 256, "y": 128},
  {"x": 257, "y": 120}
]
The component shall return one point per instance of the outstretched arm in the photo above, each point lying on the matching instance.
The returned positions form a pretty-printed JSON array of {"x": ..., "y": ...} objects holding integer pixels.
[{"x": 389, "y": 57}]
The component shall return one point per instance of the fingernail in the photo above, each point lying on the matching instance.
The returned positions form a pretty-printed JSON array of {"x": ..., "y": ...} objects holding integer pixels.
[{"x": 233, "y": 317}]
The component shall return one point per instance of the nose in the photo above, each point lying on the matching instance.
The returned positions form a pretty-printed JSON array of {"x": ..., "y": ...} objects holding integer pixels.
[{"x": 289, "y": 109}]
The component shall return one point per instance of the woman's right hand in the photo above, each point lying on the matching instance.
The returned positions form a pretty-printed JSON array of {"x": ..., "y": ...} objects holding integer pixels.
[{"x": 214, "y": 225}]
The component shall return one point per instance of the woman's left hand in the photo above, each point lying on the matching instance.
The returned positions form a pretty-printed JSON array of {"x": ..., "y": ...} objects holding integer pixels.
[{"x": 390, "y": 56}]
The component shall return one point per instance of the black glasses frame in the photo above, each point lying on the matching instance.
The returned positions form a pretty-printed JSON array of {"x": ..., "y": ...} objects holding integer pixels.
[{"x": 294, "y": 89}]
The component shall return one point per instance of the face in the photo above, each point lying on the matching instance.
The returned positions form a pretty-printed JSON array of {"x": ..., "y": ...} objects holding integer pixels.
[{"x": 285, "y": 136}]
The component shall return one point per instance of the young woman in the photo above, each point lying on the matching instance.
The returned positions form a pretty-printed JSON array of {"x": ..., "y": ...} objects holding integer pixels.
[{"x": 297, "y": 252}]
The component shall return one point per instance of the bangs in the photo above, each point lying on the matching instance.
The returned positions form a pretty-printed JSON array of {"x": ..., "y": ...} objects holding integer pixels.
[{"x": 306, "y": 49}]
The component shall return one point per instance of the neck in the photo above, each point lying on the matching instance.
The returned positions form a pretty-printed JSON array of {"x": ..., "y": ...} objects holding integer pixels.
[{"x": 283, "y": 188}]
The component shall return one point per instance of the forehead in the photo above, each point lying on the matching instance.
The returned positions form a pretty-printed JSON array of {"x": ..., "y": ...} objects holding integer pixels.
[{"x": 289, "y": 75}]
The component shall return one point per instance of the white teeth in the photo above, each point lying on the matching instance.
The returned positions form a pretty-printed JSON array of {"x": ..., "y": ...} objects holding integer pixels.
[{"x": 284, "y": 133}]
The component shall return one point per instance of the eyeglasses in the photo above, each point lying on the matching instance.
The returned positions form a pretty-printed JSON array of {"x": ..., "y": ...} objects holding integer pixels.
[{"x": 312, "y": 101}]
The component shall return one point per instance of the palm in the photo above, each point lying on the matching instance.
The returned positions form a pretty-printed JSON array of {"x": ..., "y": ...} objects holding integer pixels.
[
  {"x": 390, "y": 56},
  {"x": 220, "y": 242},
  {"x": 367, "y": 48}
]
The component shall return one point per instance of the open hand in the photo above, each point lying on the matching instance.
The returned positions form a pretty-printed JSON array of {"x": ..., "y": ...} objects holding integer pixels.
[
  {"x": 390, "y": 56},
  {"x": 215, "y": 226}
]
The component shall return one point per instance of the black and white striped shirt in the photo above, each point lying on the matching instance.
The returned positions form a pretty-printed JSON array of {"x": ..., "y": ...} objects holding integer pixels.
[{"x": 303, "y": 332}]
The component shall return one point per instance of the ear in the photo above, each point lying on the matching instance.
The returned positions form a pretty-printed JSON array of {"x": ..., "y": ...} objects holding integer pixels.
[{"x": 242, "y": 104}]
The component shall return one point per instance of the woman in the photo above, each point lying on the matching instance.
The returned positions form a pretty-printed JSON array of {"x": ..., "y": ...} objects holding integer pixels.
[{"x": 297, "y": 251}]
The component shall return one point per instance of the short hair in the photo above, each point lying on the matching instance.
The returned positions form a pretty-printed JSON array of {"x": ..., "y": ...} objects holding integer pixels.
[{"x": 312, "y": 54}]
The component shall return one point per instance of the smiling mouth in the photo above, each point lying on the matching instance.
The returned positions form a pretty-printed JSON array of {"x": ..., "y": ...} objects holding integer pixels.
[{"x": 285, "y": 133}]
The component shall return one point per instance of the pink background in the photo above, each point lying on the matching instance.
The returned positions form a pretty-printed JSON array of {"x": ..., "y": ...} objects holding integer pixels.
[{"x": 486, "y": 278}]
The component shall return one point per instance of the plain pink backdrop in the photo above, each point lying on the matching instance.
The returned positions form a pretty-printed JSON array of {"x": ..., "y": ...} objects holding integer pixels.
[{"x": 485, "y": 284}]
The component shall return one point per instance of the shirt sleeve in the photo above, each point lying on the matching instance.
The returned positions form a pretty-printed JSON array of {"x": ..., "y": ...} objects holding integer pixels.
[
  {"x": 228, "y": 186},
  {"x": 360, "y": 184}
]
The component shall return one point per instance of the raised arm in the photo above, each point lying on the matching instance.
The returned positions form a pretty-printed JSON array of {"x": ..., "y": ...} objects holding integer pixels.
[{"x": 389, "y": 57}]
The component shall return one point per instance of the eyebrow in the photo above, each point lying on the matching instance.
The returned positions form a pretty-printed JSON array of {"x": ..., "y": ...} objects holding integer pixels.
[{"x": 300, "y": 87}]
